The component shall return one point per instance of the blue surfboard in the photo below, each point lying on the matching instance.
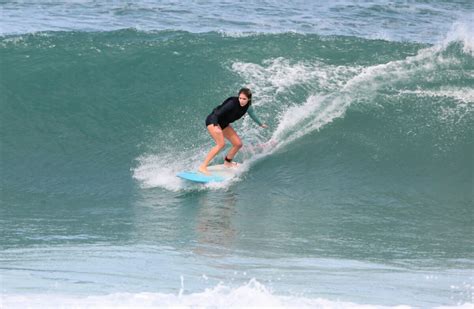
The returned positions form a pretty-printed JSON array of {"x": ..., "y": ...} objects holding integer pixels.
[
  {"x": 219, "y": 173},
  {"x": 199, "y": 177}
]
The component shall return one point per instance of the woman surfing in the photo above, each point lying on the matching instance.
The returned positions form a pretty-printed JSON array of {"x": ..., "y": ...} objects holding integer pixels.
[{"x": 218, "y": 125}]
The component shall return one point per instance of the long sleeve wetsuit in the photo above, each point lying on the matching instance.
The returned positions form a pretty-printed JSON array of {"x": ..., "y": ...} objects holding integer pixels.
[{"x": 229, "y": 111}]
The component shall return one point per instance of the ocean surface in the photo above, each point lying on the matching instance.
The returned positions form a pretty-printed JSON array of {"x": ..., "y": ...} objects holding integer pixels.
[{"x": 359, "y": 194}]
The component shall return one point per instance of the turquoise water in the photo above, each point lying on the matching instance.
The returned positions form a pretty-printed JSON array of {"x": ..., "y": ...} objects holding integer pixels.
[{"x": 360, "y": 192}]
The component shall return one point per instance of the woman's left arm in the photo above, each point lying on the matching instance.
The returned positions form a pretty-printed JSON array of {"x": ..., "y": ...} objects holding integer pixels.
[{"x": 254, "y": 117}]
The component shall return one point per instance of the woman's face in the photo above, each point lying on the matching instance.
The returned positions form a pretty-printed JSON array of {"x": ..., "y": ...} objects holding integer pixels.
[{"x": 243, "y": 100}]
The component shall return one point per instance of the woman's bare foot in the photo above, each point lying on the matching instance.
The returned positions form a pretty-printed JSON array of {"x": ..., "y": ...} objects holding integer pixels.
[
  {"x": 231, "y": 164},
  {"x": 204, "y": 170}
]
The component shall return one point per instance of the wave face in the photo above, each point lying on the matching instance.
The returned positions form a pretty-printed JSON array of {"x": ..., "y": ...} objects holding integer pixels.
[
  {"x": 102, "y": 99},
  {"x": 368, "y": 154}
]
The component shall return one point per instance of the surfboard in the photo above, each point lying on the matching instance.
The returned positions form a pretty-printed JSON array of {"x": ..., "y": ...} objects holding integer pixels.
[{"x": 219, "y": 173}]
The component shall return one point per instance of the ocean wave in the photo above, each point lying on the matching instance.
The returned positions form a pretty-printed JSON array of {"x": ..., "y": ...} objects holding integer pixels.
[
  {"x": 422, "y": 22},
  {"x": 96, "y": 93}
]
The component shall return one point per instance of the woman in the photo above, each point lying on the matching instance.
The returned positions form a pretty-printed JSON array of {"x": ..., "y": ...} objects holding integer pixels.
[{"x": 218, "y": 125}]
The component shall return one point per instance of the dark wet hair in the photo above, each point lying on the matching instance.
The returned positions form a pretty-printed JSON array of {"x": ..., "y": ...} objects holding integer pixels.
[{"x": 247, "y": 92}]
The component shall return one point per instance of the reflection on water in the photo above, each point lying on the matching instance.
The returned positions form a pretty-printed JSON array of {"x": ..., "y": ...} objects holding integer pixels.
[
  {"x": 214, "y": 222},
  {"x": 201, "y": 221}
]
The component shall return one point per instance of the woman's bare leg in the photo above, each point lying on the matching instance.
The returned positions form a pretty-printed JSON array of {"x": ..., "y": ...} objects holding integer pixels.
[
  {"x": 231, "y": 135},
  {"x": 218, "y": 136}
]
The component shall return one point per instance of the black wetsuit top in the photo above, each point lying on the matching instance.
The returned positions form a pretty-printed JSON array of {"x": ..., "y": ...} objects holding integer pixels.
[{"x": 226, "y": 113}]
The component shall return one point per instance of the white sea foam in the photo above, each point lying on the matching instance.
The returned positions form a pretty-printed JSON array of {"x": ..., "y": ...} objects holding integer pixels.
[
  {"x": 280, "y": 77},
  {"x": 159, "y": 171},
  {"x": 276, "y": 74},
  {"x": 249, "y": 295},
  {"x": 461, "y": 31},
  {"x": 461, "y": 95}
]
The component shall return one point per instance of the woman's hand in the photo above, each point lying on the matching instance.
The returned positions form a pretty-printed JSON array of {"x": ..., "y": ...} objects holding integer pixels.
[{"x": 264, "y": 126}]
